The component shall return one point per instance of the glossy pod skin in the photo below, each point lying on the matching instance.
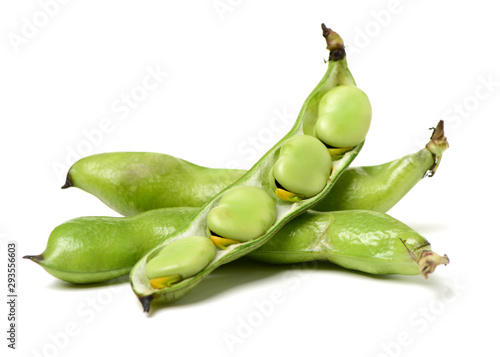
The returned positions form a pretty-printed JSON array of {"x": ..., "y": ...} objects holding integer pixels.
[
  {"x": 258, "y": 176},
  {"x": 95, "y": 249},
  {"x": 131, "y": 183},
  {"x": 366, "y": 241},
  {"x": 116, "y": 176},
  {"x": 379, "y": 188}
]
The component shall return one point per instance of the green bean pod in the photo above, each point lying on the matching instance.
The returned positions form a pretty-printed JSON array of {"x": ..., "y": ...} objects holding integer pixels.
[
  {"x": 95, "y": 249},
  {"x": 379, "y": 188},
  {"x": 258, "y": 176},
  {"x": 134, "y": 182},
  {"x": 366, "y": 241}
]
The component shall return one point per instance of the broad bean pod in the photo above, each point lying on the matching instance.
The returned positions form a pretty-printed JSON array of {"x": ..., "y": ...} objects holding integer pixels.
[
  {"x": 95, "y": 249},
  {"x": 135, "y": 182},
  {"x": 258, "y": 176},
  {"x": 366, "y": 241}
]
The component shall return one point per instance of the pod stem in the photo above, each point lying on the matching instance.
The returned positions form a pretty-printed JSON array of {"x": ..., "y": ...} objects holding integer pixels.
[
  {"x": 334, "y": 44},
  {"x": 437, "y": 145},
  {"x": 428, "y": 261}
]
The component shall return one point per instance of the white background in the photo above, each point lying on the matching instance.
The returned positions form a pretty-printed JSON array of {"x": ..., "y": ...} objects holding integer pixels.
[{"x": 230, "y": 72}]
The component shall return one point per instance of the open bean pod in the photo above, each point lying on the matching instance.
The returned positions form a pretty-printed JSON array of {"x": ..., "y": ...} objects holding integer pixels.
[{"x": 286, "y": 206}]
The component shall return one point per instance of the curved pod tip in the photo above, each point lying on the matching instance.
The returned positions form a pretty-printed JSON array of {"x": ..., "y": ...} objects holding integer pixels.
[
  {"x": 146, "y": 302},
  {"x": 68, "y": 183},
  {"x": 36, "y": 258}
]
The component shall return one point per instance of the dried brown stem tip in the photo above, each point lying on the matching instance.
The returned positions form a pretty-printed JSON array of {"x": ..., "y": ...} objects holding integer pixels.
[
  {"x": 334, "y": 44},
  {"x": 437, "y": 145},
  {"x": 428, "y": 261}
]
